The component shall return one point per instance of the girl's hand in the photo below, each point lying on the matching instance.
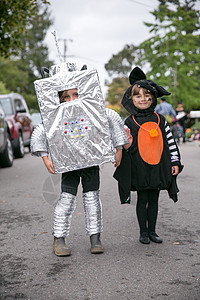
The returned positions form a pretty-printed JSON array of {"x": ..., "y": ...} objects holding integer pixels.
[
  {"x": 118, "y": 155},
  {"x": 175, "y": 170},
  {"x": 48, "y": 164},
  {"x": 129, "y": 137}
]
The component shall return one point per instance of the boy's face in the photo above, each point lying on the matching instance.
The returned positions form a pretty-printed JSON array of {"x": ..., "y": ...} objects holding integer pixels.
[
  {"x": 69, "y": 95},
  {"x": 142, "y": 100}
]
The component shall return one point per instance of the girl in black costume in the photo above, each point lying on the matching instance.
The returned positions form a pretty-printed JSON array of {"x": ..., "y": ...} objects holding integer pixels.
[{"x": 151, "y": 160}]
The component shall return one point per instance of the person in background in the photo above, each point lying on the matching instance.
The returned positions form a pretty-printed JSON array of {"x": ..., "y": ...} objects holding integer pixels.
[
  {"x": 166, "y": 109},
  {"x": 195, "y": 136},
  {"x": 181, "y": 117}
]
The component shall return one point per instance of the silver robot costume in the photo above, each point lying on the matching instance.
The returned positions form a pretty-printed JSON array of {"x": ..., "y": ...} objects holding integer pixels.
[
  {"x": 91, "y": 200},
  {"x": 77, "y": 134}
]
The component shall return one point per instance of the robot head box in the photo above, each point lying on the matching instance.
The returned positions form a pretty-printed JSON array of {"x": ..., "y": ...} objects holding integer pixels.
[{"x": 77, "y": 131}]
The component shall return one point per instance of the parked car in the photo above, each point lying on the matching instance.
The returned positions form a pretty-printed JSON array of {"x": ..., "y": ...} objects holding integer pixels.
[
  {"x": 19, "y": 121},
  {"x": 36, "y": 119},
  {"x": 6, "y": 151}
]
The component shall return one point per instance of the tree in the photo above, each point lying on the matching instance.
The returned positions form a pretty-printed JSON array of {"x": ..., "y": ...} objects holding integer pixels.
[
  {"x": 19, "y": 72},
  {"x": 3, "y": 89},
  {"x": 121, "y": 63},
  {"x": 118, "y": 68},
  {"x": 16, "y": 18},
  {"x": 171, "y": 54},
  {"x": 173, "y": 51},
  {"x": 115, "y": 93},
  {"x": 35, "y": 53}
]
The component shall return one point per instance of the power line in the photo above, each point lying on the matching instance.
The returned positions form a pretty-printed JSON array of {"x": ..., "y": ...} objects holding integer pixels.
[{"x": 141, "y": 3}]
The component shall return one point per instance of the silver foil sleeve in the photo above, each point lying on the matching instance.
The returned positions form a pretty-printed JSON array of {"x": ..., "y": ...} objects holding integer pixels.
[
  {"x": 63, "y": 215},
  {"x": 116, "y": 126},
  {"x": 38, "y": 141},
  {"x": 93, "y": 212}
]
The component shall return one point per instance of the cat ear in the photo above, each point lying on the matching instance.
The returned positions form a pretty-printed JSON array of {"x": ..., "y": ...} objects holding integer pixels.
[
  {"x": 161, "y": 91},
  {"x": 135, "y": 75}
]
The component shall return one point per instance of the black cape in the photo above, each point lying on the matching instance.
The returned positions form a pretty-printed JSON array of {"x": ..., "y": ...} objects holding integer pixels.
[{"x": 134, "y": 174}]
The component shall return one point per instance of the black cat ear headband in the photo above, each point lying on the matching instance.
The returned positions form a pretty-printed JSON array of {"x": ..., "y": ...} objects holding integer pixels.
[{"x": 137, "y": 76}]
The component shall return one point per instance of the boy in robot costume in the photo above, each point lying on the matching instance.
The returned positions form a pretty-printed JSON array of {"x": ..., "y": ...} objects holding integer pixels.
[{"x": 84, "y": 127}]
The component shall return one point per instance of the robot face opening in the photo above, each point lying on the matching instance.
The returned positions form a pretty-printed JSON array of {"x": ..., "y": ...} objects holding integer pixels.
[{"x": 68, "y": 95}]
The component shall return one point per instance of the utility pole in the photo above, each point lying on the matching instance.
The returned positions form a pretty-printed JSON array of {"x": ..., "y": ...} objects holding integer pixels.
[{"x": 65, "y": 47}]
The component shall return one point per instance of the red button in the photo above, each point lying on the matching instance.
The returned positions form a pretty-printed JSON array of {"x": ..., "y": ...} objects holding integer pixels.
[
  {"x": 85, "y": 127},
  {"x": 65, "y": 131},
  {"x": 82, "y": 120},
  {"x": 65, "y": 123}
]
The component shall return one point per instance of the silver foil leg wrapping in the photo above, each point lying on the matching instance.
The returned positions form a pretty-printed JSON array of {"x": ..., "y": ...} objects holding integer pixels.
[
  {"x": 93, "y": 212},
  {"x": 63, "y": 214}
]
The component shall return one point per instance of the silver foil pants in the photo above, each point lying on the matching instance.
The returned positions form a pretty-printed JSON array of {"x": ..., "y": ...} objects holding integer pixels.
[{"x": 65, "y": 208}]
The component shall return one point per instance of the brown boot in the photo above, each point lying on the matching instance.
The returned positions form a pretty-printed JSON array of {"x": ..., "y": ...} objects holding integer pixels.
[
  {"x": 60, "y": 248},
  {"x": 96, "y": 246}
]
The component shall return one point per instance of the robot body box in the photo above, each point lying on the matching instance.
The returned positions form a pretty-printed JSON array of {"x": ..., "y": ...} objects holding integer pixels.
[{"x": 77, "y": 131}]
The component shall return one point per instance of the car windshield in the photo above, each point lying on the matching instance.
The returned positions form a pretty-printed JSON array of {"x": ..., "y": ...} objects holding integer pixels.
[{"x": 7, "y": 106}]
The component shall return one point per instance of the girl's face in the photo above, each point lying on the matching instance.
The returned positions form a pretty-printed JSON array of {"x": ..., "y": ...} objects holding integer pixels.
[
  {"x": 69, "y": 95},
  {"x": 142, "y": 99}
]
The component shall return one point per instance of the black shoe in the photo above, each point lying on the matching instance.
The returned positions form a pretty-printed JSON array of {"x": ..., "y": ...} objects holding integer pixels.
[
  {"x": 154, "y": 237},
  {"x": 96, "y": 246},
  {"x": 144, "y": 238}
]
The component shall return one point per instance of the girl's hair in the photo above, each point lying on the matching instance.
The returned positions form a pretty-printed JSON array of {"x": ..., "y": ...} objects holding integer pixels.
[{"x": 135, "y": 90}]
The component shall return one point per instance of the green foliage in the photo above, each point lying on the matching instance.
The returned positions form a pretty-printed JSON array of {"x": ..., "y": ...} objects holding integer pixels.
[
  {"x": 171, "y": 54},
  {"x": 120, "y": 64},
  {"x": 115, "y": 93},
  {"x": 16, "y": 18},
  {"x": 31, "y": 101},
  {"x": 3, "y": 89},
  {"x": 173, "y": 51},
  {"x": 19, "y": 73},
  {"x": 13, "y": 77}
]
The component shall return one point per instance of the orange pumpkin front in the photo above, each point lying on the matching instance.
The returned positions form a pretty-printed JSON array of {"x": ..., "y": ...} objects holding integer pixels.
[{"x": 150, "y": 146}]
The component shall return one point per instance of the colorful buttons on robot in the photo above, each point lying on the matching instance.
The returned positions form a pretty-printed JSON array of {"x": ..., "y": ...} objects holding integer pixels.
[{"x": 74, "y": 127}]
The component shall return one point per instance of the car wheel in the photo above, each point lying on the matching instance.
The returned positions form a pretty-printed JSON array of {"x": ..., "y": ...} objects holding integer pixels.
[
  {"x": 7, "y": 157},
  {"x": 19, "y": 149}
]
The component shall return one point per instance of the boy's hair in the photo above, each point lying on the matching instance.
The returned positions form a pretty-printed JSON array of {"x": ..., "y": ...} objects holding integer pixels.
[
  {"x": 135, "y": 90},
  {"x": 61, "y": 96}
]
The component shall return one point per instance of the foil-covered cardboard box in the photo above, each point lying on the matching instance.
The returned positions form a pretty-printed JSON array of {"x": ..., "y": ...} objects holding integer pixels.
[{"x": 77, "y": 132}]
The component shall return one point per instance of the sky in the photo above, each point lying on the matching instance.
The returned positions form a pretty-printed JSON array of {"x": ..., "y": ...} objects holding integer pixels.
[{"x": 96, "y": 29}]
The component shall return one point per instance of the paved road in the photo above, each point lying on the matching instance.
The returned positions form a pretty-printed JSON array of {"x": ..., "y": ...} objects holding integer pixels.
[{"x": 127, "y": 269}]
